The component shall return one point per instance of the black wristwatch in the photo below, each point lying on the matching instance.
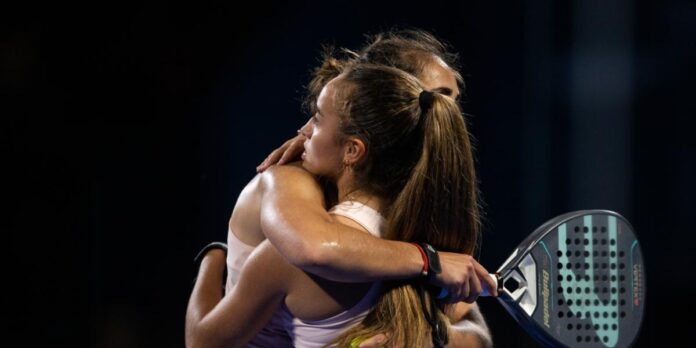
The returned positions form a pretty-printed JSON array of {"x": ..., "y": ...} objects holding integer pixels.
[{"x": 434, "y": 267}]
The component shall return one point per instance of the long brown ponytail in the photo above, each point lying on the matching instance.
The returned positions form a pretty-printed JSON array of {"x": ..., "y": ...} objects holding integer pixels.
[{"x": 419, "y": 159}]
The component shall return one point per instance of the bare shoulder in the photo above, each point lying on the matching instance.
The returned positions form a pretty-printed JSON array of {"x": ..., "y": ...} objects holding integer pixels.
[
  {"x": 293, "y": 170},
  {"x": 291, "y": 176}
]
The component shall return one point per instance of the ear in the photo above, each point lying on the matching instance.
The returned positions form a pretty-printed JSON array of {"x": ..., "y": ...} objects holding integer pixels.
[{"x": 354, "y": 151}]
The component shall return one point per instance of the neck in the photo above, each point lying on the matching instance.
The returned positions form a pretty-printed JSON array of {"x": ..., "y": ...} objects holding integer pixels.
[{"x": 349, "y": 191}]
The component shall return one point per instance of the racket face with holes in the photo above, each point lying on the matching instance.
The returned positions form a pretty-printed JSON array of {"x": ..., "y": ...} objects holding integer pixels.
[{"x": 577, "y": 281}]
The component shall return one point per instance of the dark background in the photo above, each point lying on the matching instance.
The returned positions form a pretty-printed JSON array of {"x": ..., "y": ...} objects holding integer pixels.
[{"x": 131, "y": 128}]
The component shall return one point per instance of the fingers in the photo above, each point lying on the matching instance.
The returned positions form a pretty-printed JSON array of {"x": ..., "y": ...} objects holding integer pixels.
[
  {"x": 474, "y": 287},
  {"x": 454, "y": 277},
  {"x": 479, "y": 280},
  {"x": 293, "y": 151},
  {"x": 274, "y": 156},
  {"x": 289, "y": 151},
  {"x": 454, "y": 295},
  {"x": 471, "y": 288},
  {"x": 466, "y": 291},
  {"x": 486, "y": 279},
  {"x": 271, "y": 159},
  {"x": 464, "y": 278}
]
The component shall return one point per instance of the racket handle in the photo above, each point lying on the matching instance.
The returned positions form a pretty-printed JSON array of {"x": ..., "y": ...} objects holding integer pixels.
[{"x": 485, "y": 291}]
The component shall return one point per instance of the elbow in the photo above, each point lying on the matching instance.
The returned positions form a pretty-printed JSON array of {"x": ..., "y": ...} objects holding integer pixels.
[
  {"x": 193, "y": 339},
  {"x": 310, "y": 256},
  {"x": 201, "y": 332},
  {"x": 195, "y": 335}
]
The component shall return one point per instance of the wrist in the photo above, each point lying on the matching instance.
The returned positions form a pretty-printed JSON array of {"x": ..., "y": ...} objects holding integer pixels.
[
  {"x": 431, "y": 261},
  {"x": 410, "y": 263},
  {"x": 424, "y": 260}
]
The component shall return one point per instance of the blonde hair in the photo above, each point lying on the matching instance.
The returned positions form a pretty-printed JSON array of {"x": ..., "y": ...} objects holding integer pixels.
[{"x": 420, "y": 161}]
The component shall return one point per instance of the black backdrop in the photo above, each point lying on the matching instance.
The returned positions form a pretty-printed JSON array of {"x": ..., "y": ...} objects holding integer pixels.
[{"x": 131, "y": 127}]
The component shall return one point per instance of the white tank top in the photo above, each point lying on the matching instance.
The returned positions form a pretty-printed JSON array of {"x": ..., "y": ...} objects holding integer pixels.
[
  {"x": 284, "y": 330},
  {"x": 237, "y": 253},
  {"x": 318, "y": 333}
]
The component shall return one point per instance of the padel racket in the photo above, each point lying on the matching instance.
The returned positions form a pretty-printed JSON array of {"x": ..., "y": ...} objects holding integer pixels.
[{"x": 577, "y": 281}]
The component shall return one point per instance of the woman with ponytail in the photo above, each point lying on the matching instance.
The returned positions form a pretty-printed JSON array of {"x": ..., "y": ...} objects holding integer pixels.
[
  {"x": 401, "y": 160},
  {"x": 420, "y": 54},
  {"x": 419, "y": 162}
]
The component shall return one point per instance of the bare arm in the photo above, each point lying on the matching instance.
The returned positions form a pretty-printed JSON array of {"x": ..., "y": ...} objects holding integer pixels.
[
  {"x": 461, "y": 275},
  {"x": 294, "y": 219},
  {"x": 214, "y": 321}
]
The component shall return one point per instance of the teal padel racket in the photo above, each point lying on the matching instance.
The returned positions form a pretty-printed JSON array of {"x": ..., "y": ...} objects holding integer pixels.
[{"x": 577, "y": 281}]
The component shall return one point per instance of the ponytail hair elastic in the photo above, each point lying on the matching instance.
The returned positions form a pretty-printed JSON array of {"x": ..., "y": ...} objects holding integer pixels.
[{"x": 425, "y": 99}]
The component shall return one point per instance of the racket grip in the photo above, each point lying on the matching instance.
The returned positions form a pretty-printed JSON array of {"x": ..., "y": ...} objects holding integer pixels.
[{"x": 485, "y": 291}]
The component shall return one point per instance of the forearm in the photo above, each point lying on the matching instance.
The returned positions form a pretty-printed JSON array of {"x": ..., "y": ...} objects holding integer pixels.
[
  {"x": 214, "y": 321},
  {"x": 340, "y": 253},
  {"x": 354, "y": 256},
  {"x": 206, "y": 294},
  {"x": 295, "y": 221}
]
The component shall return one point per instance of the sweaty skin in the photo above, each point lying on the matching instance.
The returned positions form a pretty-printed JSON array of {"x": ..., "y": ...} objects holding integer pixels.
[
  {"x": 267, "y": 279},
  {"x": 286, "y": 205},
  {"x": 306, "y": 236}
]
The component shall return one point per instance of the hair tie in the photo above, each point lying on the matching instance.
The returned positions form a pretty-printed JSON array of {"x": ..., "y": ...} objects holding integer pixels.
[{"x": 425, "y": 99}]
